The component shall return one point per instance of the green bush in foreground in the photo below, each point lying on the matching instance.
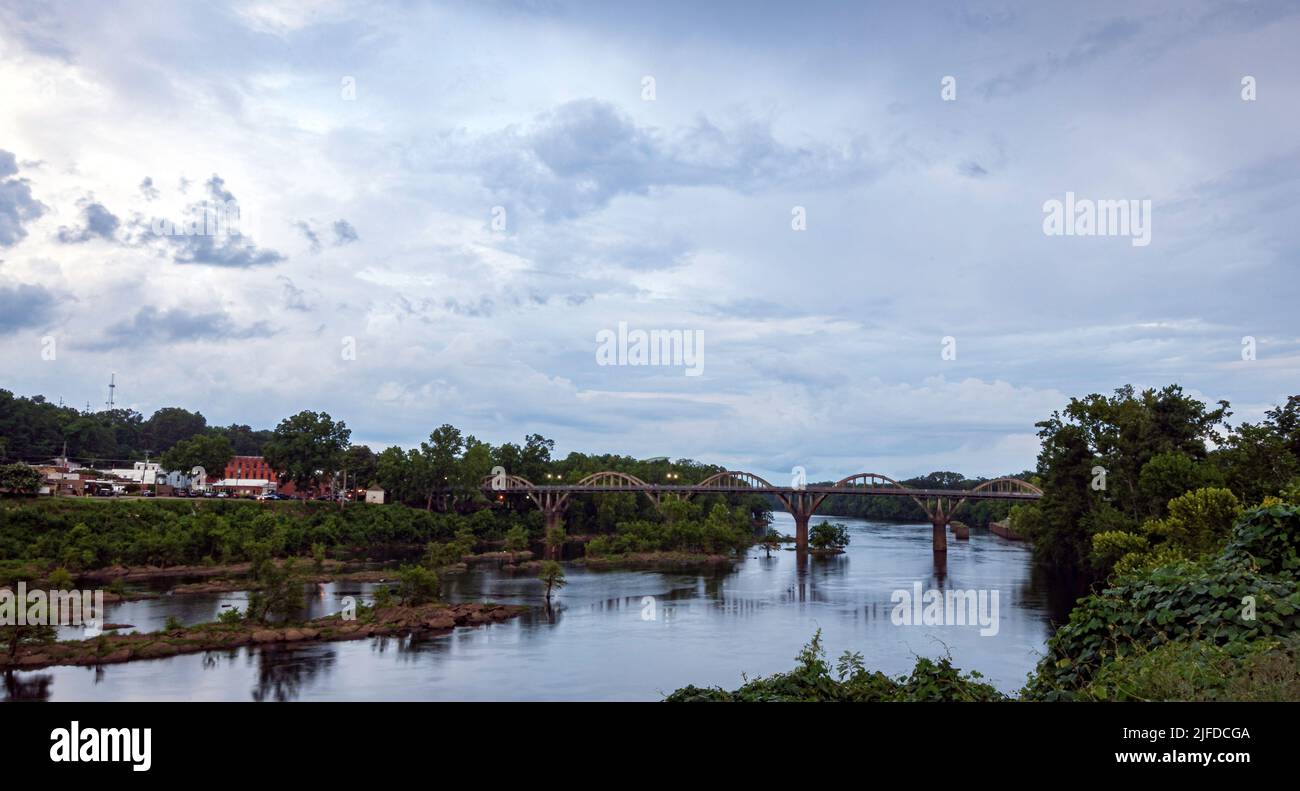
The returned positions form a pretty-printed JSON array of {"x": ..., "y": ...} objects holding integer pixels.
[
  {"x": 1200, "y": 670},
  {"x": 1246, "y": 594},
  {"x": 811, "y": 681}
]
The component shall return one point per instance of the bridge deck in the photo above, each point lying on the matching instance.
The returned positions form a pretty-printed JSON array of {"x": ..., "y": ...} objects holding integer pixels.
[{"x": 874, "y": 491}]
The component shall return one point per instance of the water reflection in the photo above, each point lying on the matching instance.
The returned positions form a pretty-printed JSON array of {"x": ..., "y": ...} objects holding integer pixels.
[{"x": 617, "y": 635}]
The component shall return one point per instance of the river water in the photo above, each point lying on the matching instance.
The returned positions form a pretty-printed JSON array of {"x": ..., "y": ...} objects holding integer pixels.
[{"x": 618, "y": 635}]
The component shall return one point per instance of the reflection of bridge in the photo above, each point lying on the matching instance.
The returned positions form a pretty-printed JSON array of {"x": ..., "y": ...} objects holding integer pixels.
[{"x": 801, "y": 502}]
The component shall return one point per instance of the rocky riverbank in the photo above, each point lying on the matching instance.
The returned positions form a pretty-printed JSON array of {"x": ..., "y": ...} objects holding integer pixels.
[{"x": 429, "y": 619}]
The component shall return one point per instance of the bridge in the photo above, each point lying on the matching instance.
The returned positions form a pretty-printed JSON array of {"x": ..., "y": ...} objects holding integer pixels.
[{"x": 800, "y": 501}]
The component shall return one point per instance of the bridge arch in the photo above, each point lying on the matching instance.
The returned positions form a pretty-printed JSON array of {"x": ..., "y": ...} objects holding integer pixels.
[
  {"x": 736, "y": 479},
  {"x": 869, "y": 480},
  {"x": 1005, "y": 485},
  {"x": 616, "y": 481}
]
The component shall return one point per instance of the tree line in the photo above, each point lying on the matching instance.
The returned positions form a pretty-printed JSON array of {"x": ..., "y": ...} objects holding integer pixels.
[{"x": 1156, "y": 470}]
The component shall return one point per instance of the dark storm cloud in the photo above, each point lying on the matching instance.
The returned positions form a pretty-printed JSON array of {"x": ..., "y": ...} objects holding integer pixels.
[
  {"x": 17, "y": 206},
  {"x": 231, "y": 251},
  {"x": 24, "y": 306},
  {"x": 153, "y": 325}
]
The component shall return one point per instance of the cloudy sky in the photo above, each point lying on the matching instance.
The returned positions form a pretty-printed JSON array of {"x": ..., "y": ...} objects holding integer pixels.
[{"x": 466, "y": 194}]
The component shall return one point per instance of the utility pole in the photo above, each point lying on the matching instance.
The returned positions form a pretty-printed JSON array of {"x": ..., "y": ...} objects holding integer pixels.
[{"x": 112, "y": 386}]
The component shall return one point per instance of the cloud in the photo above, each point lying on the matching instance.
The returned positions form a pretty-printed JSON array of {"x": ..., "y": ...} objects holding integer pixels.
[
  {"x": 312, "y": 238},
  {"x": 100, "y": 223},
  {"x": 151, "y": 325},
  {"x": 583, "y": 154},
  {"x": 213, "y": 233},
  {"x": 344, "y": 233},
  {"x": 17, "y": 206},
  {"x": 24, "y": 306},
  {"x": 147, "y": 189}
]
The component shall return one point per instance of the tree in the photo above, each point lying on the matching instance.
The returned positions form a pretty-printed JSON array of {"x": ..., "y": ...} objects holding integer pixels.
[
  {"x": 1257, "y": 460},
  {"x": 307, "y": 447},
  {"x": 829, "y": 536},
  {"x": 440, "y": 455},
  {"x": 170, "y": 425},
  {"x": 1198, "y": 522},
  {"x": 517, "y": 539},
  {"x": 771, "y": 540},
  {"x": 552, "y": 575},
  {"x": 280, "y": 593},
  {"x": 19, "y": 479},
  {"x": 16, "y": 636},
  {"x": 417, "y": 585},
  {"x": 210, "y": 452},
  {"x": 1092, "y": 457},
  {"x": 362, "y": 465},
  {"x": 243, "y": 439}
]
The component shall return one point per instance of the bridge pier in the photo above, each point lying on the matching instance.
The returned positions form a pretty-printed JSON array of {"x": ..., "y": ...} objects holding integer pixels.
[
  {"x": 801, "y": 506},
  {"x": 553, "y": 506},
  {"x": 940, "y": 534},
  {"x": 940, "y": 521}
]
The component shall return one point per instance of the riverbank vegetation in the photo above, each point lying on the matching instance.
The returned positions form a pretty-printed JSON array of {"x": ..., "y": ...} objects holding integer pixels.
[
  {"x": 812, "y": 680},
  {"x": 1220, "y": 626}
]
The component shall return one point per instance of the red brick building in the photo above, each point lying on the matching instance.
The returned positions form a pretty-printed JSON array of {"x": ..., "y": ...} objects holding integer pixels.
[
  {"x": 251, "y": 475},
  {"x": 245, "y": 467}
]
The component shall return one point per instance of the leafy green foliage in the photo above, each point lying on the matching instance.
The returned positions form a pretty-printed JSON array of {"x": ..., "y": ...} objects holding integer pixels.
[
  {"x": 1202, "y": 670},
  {"x": 829, "y": 535},
  {"x": 210, "y": 452},
  {"x": 1246, "y": 593},
  {"x": 517, "y": 539},
  {"x": 307, "y": 446},
  {"x": 19, "y": 479},
  {"x": 280, "y": 591},
  {"x": 811, "y": 681},
  {"x": 170, "y": 532},
  {"x": 417, "y": 585},
  {"x": 551, "y": 574},
  {"x": 1268, "y": 537}
]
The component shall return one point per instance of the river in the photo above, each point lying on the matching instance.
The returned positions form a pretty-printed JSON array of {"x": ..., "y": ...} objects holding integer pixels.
[{"x": 616, "y": 635}]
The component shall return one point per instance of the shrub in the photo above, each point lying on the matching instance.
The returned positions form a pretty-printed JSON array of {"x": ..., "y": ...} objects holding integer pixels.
[
  {"x": 1269, "y": 537},
  {"x": 1200, "y": 670},
  {"x": 811, "y": 681},
  {"x": 417, "y": 585},
  {"x": 829, "y": 535},
  {"x": 60, "y": 579},
  {"x": 517, "y": 539}
]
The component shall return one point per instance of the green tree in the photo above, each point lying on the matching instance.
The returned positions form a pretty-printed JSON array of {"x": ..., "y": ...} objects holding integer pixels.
[
  {"x": 19, "y": 479},
  {"x": 828, "y": 535},
  {"x": 417, "y": 585},
  {"x": 362, "y": 466},
  {"x": 170, "y": 425},
  {"x": 212, "y": 453},
  {"x": 517, "y": 539},
  {"x": 551, "y": 574},
  {"x": 307, "y": 447},
  {"x": 441, "y": 454}
]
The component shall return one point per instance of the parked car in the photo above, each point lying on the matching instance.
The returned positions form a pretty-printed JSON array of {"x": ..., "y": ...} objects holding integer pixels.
[
  {"x": 146, "y": 493},
  {"x": 180, "y": 493},
  {"x": 223, "y": 494}
]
